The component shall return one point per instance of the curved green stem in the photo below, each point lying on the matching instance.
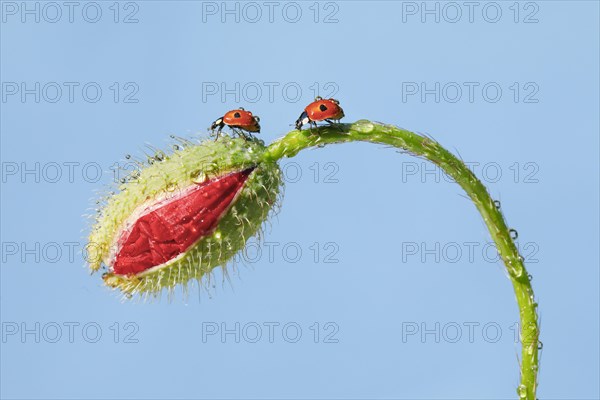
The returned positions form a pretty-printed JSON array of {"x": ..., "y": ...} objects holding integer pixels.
[{"x": 428, "y": 148}]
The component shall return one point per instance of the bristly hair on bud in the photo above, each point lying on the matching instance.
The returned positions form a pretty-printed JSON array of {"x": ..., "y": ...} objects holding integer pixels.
[{"x": 183, "y": 214}]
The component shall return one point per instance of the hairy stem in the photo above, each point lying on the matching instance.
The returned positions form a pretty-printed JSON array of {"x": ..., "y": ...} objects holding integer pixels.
[{"x": 427, "y": 148}]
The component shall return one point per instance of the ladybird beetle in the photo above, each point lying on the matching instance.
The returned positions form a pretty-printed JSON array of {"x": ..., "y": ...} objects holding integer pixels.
[
  {"x": 320, "y": 110},
  {"x": 239, "y": 119}
]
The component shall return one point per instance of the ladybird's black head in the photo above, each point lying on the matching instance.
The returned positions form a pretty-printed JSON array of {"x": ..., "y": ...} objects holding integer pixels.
[
  {"x": 217, "y": 124},
  {"x": 257, "y": 120},
  {"x": 303, "y": 119}
]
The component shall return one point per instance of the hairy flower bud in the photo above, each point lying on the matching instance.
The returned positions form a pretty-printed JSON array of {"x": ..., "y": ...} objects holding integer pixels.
[{"x": 183, "y": 214}]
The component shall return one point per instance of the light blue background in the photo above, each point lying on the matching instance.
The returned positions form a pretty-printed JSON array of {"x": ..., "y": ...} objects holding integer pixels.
[{"x": 369, "y": 213}]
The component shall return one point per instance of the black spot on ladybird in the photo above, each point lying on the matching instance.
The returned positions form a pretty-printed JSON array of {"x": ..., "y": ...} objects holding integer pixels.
[
  {"x": 237, "y": 115},
  {"x": 322, "y": 107}
]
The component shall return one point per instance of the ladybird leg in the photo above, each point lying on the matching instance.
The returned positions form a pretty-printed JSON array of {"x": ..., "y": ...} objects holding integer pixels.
[
  {"x": 218, "y": 132},
  {"x": 244, "y": 135},
  {"x": 218, "y": 124},
  {"x": 335, "y": 123},
  {"x": 239, "y": 132}
]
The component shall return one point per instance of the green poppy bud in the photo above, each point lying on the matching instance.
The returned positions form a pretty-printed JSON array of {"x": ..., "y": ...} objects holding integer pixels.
[{"x": 183, "y": 214}]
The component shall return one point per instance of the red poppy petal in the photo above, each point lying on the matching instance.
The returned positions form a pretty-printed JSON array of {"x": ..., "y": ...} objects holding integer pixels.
[{"x": 168, "y": 230}]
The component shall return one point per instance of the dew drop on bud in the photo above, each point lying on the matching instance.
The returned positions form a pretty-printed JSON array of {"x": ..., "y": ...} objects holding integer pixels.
[
  {"x": 513, "y": 234},
  {"x": 497, "y": 204},
  {"x": 199, "y": 177}
]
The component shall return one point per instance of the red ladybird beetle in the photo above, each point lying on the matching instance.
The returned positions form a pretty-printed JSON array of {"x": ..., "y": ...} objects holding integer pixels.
[
  {"x": 238, "y": 120},
  {"x": 320, "y": 110}
]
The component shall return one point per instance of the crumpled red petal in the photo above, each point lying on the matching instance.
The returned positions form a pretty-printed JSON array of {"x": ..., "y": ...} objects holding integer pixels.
[{"x": 166, "y": 231}]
